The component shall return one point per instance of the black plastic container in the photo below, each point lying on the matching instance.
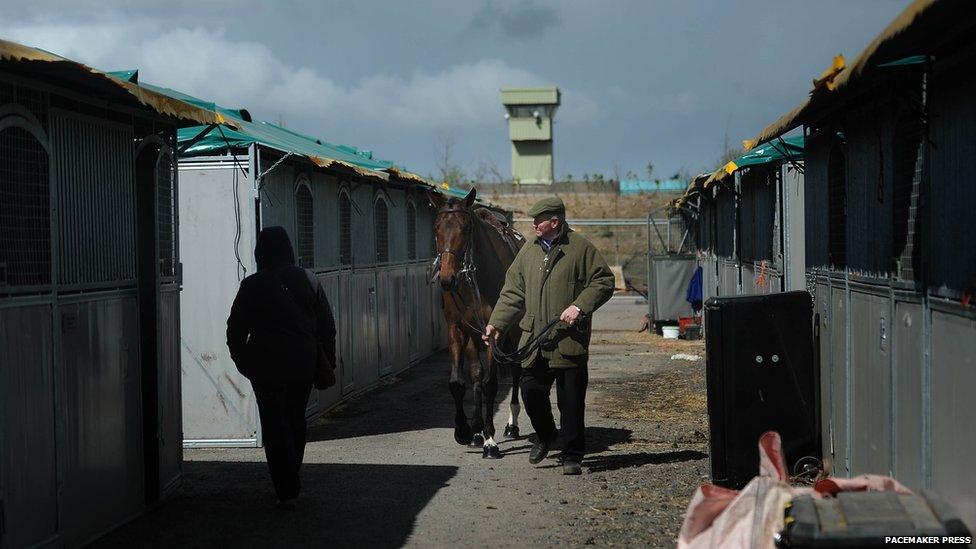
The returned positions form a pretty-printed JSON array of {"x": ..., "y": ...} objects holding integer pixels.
[
  {"x": 762, "y": 376},
  {"x": 871, "y": 519}
]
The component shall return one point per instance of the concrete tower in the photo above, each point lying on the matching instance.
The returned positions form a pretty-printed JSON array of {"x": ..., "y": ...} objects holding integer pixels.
[{"x": 530, "y": 112}]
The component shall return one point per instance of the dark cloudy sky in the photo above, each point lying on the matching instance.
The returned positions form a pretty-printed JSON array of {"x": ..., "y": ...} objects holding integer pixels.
[{"x": 643, "y": 81}]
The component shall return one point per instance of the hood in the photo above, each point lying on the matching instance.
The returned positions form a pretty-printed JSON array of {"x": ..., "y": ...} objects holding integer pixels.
[{"x": 273, "y": 248}]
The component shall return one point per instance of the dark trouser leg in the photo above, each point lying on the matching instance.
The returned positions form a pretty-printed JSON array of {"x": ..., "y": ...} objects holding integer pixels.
[
  {"x": 536, "y": 383},
  {"x": 571, "y": 396},
  {"x": 282, "y": 409},
  {"x": 298, "y": 393}
]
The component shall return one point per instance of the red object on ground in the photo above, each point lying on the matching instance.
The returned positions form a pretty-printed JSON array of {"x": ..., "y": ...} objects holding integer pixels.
[{"x": 685, "y": 321}]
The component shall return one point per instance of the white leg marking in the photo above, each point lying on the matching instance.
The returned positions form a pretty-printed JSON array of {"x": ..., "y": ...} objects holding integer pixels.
[
  {"x": 489, "y": 442},
  {"x": 513, "y": 416}
]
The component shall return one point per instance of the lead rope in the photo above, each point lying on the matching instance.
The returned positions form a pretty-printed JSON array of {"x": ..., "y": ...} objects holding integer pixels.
[{"x": 516, "y": 356}]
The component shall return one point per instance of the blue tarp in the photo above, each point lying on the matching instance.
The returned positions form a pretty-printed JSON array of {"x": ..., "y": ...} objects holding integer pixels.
[
  {"x": 694, "y": 294},
  {"x": 637, "y": 186}
]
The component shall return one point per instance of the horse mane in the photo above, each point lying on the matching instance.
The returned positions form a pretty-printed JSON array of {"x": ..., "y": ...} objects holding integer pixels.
[
  {"x": 501, "y": 239},
  {"x": 509, "y": 235}
]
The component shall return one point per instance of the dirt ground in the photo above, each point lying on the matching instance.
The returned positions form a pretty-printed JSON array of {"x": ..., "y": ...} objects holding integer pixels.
[{"x": 383, "y": 470}]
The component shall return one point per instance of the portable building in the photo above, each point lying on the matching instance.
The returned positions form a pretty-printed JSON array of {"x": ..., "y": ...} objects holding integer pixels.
[
  {"x": 889, "y": 251},
  {"x": 363, "y": 226},
  {"x": 745, "y": 218},
  {"x": 89, "y": 298}
]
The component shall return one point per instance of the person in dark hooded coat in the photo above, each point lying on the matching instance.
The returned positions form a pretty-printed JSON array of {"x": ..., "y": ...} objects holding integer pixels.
[{"x": 277, "y": 322}]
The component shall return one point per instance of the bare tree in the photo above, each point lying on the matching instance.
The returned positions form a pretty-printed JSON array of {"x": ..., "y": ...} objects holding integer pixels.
[
  {"x": 683, "y": 174},
  {"x": 487, "y": 172},
  {"x": 729, "y": 151},
  {"x": 449, "y": 171}
]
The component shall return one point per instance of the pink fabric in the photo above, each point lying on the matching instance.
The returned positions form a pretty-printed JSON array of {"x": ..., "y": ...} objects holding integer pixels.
[
  {"x": 864, "y": 483},
  {"x": 771, "y": 461},
  {"x": 719, "y": 517}
]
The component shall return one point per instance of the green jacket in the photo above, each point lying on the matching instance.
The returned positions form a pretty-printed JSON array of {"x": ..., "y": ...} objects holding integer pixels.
[{"x": 541, "y": 285}]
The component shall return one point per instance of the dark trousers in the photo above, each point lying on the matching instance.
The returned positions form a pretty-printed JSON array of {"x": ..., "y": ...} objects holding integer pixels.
[
  {"x": 282, "y": 408},
  {"x": 570, "y": 383}
]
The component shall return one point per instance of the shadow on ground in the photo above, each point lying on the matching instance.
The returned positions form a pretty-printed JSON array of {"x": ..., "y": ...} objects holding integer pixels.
[
  {"x": 419, "y": 399},
  {"x": 231, "y": 504},
  {"x": 598, "y": 439},
  {"x": 612, "y": 462}
]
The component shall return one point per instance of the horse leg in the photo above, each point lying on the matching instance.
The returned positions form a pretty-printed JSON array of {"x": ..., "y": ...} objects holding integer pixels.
[
  {"x": 462, "y": 433},
  {"x": 475, "y": 367},
  {"x": 490, "y": 377},
  {"x": 512, "y": 427}
]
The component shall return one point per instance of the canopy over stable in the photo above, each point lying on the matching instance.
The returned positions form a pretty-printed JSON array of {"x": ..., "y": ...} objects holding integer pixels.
[
  {"x": 54, "y": 69},
  {"x": 896, "y": 46}
]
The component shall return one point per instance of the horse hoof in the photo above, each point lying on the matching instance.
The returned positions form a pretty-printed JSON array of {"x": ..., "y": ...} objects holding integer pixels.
[
  {"x": 477, "y": 441},
  {"x": 463, "y": 435},
  {"x": 511, "y": 431},
  {"x": 491, "y": 452}
]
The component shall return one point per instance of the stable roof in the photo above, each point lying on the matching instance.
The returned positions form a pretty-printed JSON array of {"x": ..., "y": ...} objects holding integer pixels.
[
  {"x": 46, "y": 66},
  {"x": 788, "y": 148},
  {"x": 245, "y": 132},
  {"x": 899, "y": 44},
  {"x": 249, "y": 132}
]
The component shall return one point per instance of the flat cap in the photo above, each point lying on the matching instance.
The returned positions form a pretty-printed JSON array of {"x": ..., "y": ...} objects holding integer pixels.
[{"x": 552, "y": 204}]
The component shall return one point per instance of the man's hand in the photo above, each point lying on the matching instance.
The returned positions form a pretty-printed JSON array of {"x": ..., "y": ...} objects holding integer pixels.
[
  {"x": 490, "y": 332},
  {"x": 570, "y": 315}
]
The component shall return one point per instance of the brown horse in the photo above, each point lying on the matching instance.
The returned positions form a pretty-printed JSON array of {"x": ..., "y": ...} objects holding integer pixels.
[{"x": 474, "y": 251}]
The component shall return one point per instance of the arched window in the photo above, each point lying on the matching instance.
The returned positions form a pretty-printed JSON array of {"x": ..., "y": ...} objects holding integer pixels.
[
  {"x": 381, "y": 222},
  {"x": 345, "y": 228},
  {"x": 411, "y": 230},
  {"x": 305, "y": 247},
  {"x": 25, "y": 208},
  {"x": 837, "y": 207}
]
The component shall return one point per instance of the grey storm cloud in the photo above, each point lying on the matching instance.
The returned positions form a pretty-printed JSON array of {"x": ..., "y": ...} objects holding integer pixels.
[
  {"x": 664, "y": 81},
  {"x": 515, "y": 20}
]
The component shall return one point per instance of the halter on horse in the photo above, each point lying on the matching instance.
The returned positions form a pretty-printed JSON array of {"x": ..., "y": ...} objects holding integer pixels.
[{"x": 473, "y": 255}]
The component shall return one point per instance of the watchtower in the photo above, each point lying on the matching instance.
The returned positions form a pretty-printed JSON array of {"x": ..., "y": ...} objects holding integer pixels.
[{"x": 529, "y": 112}]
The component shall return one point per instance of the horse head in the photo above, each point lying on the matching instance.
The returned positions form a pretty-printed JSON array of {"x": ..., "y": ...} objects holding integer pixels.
[{"x": 453, "y": 233}]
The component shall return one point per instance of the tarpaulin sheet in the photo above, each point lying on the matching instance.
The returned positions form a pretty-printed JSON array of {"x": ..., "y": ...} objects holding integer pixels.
[
  {"x": 637, "y": 186},
  {"x": 669, "y": 277}
]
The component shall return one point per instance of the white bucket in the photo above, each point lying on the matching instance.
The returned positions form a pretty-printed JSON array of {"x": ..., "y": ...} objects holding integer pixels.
[{"x": 669, "y": 332}]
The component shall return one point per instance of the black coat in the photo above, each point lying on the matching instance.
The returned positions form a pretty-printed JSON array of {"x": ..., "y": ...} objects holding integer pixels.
[{"x": 278, "y": 319}]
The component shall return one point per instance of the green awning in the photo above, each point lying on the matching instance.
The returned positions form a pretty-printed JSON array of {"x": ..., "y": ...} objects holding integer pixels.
[
  {"x": 906, "y": 61},
  {"x": 249, "y": 132},
  {"x": 788, "y": 148}
]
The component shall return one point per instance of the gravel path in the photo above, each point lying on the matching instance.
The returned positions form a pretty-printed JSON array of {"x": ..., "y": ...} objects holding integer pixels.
[{"x": 383, "y": 470}]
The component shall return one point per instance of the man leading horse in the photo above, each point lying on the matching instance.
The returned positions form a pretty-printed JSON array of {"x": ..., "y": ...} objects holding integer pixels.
[{"x": 561, "y": 276}]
